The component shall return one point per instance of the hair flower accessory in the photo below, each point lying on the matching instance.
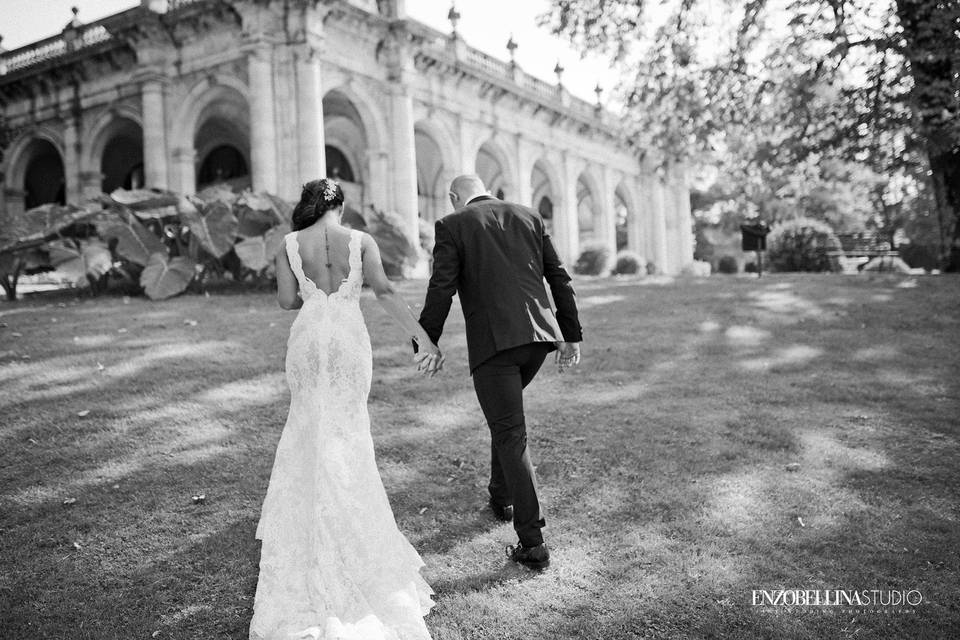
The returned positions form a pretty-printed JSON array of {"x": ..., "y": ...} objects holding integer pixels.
[{"x": 329, "y": 190}]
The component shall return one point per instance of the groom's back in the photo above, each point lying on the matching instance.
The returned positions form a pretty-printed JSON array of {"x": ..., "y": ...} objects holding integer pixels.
[{"x": 500, "y": 249}]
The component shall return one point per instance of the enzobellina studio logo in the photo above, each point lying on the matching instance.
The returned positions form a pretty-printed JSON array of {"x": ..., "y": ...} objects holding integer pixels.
[{"x": 838, "y": 600}]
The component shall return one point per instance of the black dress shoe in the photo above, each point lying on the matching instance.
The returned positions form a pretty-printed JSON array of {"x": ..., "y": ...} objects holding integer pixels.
[
  {"x": 537, "y": 557},
  {"x": 502, "y": 512}
]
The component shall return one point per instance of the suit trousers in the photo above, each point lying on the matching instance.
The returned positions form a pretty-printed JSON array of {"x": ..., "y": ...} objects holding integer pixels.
[{"x": 499, "y": 382}]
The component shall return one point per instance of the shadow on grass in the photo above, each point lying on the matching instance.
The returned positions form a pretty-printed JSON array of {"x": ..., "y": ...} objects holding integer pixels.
[{"x": 715, "y": 441}]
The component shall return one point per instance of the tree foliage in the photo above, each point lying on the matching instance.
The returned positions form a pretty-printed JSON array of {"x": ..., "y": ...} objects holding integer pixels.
[{"x": 781, "y": 94}]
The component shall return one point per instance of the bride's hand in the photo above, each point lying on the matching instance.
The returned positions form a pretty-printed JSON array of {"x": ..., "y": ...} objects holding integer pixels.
[{"x": 429, "y": 359}]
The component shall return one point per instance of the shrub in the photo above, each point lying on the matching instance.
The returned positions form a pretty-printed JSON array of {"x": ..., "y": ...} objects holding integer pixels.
[
  {"x": 397, "y": 250},
  {"x": 594, "y": 260},
  {"x": 802, "y": 244},
  {"x": 651, "y": 268},
  {"x": 628, "y": 262},
  {"x": 696, "y": 269},
  {"x": 920, "y": 256},
  {"x": 728, "y": 264},
  {"x": 750, "y": 267},
  {"x": 160, "y": 241}
]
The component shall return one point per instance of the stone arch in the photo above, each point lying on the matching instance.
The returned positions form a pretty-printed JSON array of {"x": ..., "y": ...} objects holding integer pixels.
[
  {"x": 198, "y": 98},
  {"x": 494, "y": 167},
  {"x": 348, "y": 135},
  {"x": 35, "y": 170},
  {"x": 101, "y": 129},
  {"x": 116, "y": 156},
  {"x": 369, "y": 116},
  {"x": 18, "y": 153},
  {"x": 589, "y": 207},
  {"x": 627, "y": 222},
  {"x": 435, "y": 169},
  {"x": 545, "y": 185},
  {"x": 220, "y": 137}
]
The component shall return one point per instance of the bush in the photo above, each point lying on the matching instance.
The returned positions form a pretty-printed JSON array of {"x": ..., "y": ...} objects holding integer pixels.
[
  {"x": 628, "y": 262},
  {"x": 397, "y": 250},
  {"x": 802, "y": 244},
  {"x": 159, "y": 242},
  {"x": 696, "y": 269},
  {"x": 920, "y": 256},
  {"x": 594, "y": 260},
  {"x": 651, "y": 268},
  {"x": 728, "y": 264},
  {"x": 750, "y": 267}
]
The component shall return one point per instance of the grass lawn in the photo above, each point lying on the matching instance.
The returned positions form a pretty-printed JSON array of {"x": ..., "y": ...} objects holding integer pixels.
[{"x": 721, "y": 436}]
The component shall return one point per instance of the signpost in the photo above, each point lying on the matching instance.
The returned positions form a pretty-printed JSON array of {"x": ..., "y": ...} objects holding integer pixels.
[{"x": 754, "y": 238}]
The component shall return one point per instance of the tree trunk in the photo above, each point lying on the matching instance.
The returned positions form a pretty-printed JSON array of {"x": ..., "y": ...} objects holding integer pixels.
[{"x": 929, "y": 30}]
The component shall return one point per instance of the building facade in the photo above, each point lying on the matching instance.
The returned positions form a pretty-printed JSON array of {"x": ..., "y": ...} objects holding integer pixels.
[{"x": 268, "y": 94}]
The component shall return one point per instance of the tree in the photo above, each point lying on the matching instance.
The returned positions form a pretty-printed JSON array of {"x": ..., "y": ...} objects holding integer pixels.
[{"x": 759, "y": 87}]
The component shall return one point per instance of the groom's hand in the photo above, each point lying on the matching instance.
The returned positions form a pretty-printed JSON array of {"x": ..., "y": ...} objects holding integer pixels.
[
  {"x": 429, "y": 359},
  {"x": 568, "y": 355}
]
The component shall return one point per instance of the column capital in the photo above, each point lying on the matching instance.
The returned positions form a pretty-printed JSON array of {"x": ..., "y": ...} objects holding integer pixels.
[
  {"x": 309, "y": 52},
  {"x": 181, "y": 154},
  {"x": 151, "y": 76}
]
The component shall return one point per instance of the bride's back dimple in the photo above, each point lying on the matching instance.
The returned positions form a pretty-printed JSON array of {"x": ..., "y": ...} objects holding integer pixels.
[{"x": 313, "y": 255}]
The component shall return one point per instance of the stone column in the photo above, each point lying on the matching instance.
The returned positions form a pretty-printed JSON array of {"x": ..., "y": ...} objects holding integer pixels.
[
  {"x": 184, "y": 174},
  {"x": 91, "y": 184},
  {"x": 525, "y": 170},
  {"x": 635, "y": 232},
  {"x": 608, "y": 210},
  {"x": 566, "y": 222},
  {"x": 468, "y": 159},
  {"x": 155, "y": 170},
  {"x": 71, "y": 159},
  {"x": 311, "y": 144},
  {"x": 404, "y": 156},
  {"x": 263, "y": 137},
  {"x": 658, "y": 201},
  {"x": 13, "y": 204},
  {"x": 377, "y": 192},
  {"x": 684, "y": 218}
]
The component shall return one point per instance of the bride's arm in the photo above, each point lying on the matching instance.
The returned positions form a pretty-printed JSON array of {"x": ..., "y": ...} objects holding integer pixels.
[
  {"x": 288, "y": 289},
  {"x": 388, "y": 297}
]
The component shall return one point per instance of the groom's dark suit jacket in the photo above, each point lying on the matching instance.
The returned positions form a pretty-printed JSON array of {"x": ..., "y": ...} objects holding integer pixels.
[{"x": 495, "y": 255}]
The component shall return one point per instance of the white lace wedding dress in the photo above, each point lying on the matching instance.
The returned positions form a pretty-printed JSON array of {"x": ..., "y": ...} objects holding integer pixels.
[{"x": 333, "y": 564}]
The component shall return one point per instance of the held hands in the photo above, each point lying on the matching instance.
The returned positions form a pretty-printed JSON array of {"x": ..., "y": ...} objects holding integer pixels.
[
  {"x": 568, "y": 355},
  {"x": 429, "y": 359}
]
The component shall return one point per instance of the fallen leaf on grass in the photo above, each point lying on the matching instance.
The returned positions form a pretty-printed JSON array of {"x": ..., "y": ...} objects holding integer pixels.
[
  {"x": 190, "y": 323},
  {"x": 100, "y": 367},
  {"x": 83, "y": 414},
  {"x": 69, "y": 501},
  {"x": 121, "y": 330},
  {"x": 76, "y": 545},
  {"x": 422, "y": 509},
  {"x": 793, "y": 466},
  {"x": 16, "y": 334},
  {"x": 199, "y": 499},
  {"x": 800, "y": 521}
]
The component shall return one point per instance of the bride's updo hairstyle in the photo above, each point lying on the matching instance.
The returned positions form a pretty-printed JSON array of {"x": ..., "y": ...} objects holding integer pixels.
[{"x": 317, "y": 197}]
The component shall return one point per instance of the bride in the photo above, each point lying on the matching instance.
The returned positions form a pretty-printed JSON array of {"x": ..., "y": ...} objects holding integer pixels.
[{"x": 333, "y": 564}]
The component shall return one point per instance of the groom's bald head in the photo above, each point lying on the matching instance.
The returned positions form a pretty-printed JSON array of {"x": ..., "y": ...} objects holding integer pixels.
[{"x": 464, "y": 188}]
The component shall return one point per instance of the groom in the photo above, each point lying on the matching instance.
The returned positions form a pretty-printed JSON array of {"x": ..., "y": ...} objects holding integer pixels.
[{"x": 495, "y": 255}]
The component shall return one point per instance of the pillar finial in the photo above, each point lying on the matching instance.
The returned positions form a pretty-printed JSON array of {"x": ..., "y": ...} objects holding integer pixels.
[
  {"x": 454, "y": 17},
  {"x": 512, "y": 48},
  {"x": 559, "y": 71}
]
